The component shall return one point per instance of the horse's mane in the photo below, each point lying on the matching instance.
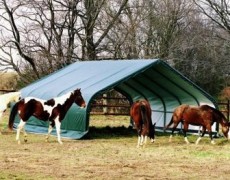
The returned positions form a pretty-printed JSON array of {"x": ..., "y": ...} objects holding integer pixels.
[{"x": 215, "y": 111}]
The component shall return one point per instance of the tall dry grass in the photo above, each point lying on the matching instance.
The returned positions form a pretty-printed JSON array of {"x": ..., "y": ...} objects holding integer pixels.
[{"x": 8, "y": 80}]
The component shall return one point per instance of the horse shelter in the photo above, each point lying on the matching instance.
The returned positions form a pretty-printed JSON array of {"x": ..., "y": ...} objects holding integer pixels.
[{"x": 152, "y": 79}]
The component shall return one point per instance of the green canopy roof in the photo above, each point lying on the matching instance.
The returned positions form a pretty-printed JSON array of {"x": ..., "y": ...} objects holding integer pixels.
[{"x": 155, "y": 80}]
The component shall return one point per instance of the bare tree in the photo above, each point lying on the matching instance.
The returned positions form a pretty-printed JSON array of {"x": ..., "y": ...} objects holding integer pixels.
[
  {"x": 49, "y": 34},
  {"x": 38, "y": 37},
  {"x": 92, "y": 39},
  {"x": 216, "y": 15},
  {"x": 14, "y": 43},
  {"x": 217, "y": 10}
]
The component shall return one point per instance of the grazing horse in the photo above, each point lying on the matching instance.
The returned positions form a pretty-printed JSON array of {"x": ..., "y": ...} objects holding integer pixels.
[
  {"x": 140, "y": 113},
  {"x": 5, "y": 99},
  {"x": 52, "y": 110},
  {"x": 203, "y": 116}
]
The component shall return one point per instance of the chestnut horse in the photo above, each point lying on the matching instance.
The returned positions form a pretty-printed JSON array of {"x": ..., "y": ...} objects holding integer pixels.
[
  {"x": 5, "y": 99},
  {"x": 52, "y": 110},
  {"x": 203, "y": 116},
  {"x": 140, "y": 113}
]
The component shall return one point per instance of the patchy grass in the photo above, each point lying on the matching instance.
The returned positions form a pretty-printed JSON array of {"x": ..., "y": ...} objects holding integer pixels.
[{"x": 109, "y": 152}]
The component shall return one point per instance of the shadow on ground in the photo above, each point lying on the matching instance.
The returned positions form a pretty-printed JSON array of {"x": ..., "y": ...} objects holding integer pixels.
[{"x": 108, "y": 132}]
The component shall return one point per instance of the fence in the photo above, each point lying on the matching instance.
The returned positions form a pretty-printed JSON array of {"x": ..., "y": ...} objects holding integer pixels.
[
  {"x": 224, "y": 107},
  {"x": 117, "y": 104},
  {"x": 110, "y": 105}
]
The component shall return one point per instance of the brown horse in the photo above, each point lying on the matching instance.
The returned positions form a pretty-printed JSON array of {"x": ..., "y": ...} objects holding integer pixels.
[
  {"x": 203, "y": 116},
  {"x": 140, "y": 113},
  {"x": 52, "y": 110}
]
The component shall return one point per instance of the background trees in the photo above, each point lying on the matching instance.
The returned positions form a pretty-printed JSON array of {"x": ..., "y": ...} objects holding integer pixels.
[{"x": 38, "y": 37}]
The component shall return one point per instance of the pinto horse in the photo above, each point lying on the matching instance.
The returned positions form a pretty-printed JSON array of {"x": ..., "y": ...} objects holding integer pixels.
[
  {"x": 140, "y": 113},
  {"x": 5, "y": 99},
  {"x": 52, "y": 110},
  {"x": 203, "y": 116}
]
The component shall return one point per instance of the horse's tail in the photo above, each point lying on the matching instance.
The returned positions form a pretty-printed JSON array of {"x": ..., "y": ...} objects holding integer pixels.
[
  {"x": 143, "y": 113},
  {"x": 176, "y": 115},
  {"x": 12, "y": 116},
  {"x": 169, "y": 124}
]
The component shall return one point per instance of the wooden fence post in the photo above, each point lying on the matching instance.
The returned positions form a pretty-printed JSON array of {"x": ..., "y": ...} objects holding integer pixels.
[{"x": 228, "y": 108}]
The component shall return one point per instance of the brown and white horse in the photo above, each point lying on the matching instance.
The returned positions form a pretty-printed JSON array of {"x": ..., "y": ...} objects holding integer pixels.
[
  {"x": 140, "y": 113},
  {"x": 203, "y": 116},
  {"x": 5, "y": 99},
  {"x": 52, "y": 110}
]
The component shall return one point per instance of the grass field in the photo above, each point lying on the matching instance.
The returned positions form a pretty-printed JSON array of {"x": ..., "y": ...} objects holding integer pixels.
[{"x": 109, "y": 152}]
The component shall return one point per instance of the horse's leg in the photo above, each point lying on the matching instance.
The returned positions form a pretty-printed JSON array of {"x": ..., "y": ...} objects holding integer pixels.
[
  {"x": 185, "y": 133},
  {"x": 202, "y": 135},
  {"x": 20, "y": 127},
  {"x": 210, "y": 134},
  {"x": 25, "y": 134},
  {"x": 173, "y": 129},
  {"x": 138, "y": 141},
  {"x": 49, "y": 131},
  {"x": 58, "y": 129},
  {"x": 142, "y": 140},
  {"x": 145, "y": 140}
]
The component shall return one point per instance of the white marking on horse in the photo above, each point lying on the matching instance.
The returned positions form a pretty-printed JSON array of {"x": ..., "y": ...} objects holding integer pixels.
[{"x": 58, "y": 100}]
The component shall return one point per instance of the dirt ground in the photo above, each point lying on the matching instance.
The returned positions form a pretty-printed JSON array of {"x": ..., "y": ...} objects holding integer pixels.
[{"x": 111, "y": 153}]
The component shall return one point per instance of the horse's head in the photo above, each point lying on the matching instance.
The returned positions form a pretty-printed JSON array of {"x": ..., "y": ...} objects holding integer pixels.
[
  {"x": 152, "y": 132},
  {"x": 225, "y": 129},
  {"x": 220, "y": 118},
  {"x": 79, "y": 99}
]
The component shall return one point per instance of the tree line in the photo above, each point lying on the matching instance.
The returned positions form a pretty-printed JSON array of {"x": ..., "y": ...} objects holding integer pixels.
[{"x": 38, "y": 37}]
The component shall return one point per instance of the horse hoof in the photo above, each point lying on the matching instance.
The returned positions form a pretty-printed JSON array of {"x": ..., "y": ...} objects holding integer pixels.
[
  {"x": 25, "y": 140},
  {"x": 19, "y": 142},
  {"x": 60, "y": 142},
  {"x": 212, "y": 142}
]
